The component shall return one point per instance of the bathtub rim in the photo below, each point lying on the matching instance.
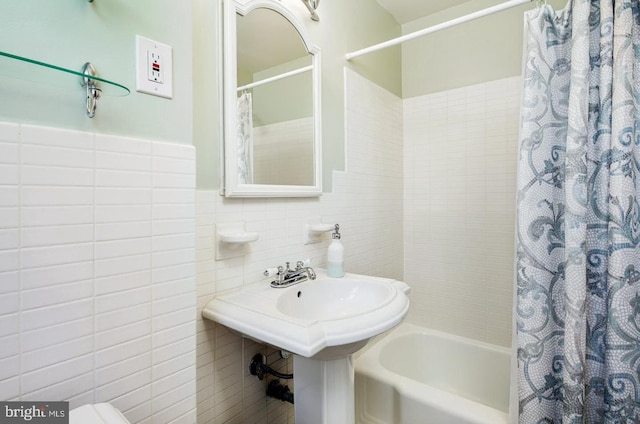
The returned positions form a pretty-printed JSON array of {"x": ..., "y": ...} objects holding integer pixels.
[
  {"x": 409, "y": 328},
  {"x": 369, "y": 365}
]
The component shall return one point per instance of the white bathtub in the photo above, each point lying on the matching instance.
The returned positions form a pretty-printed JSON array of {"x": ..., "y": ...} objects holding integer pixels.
[{"x": 420, "y": 376}]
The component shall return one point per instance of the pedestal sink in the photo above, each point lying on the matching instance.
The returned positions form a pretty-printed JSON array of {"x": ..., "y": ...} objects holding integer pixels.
[{"x": 322, "y": 322}]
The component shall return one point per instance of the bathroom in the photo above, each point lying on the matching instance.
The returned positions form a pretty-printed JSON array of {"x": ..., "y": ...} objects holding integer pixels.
[{"x": 107, "y": 225}]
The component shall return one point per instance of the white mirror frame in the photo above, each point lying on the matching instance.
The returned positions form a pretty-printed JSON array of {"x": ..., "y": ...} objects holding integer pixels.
[{"x": 232, "y": 186}]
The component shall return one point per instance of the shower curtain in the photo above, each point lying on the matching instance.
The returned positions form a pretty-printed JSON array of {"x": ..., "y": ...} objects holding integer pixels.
[
  {"x": 245, "y": 138},
  {"x": 577, "y": 310}
]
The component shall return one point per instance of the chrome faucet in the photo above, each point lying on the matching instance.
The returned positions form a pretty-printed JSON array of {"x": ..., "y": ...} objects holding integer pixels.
[{"x": 288, "y": 277}]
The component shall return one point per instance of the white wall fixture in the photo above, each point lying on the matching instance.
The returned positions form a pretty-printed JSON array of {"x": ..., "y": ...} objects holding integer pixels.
[
  {"x": 314, "y": 228},
  {"x": 231, "y": 239},
  {"x": 154, "y": 68},
  {"x": 312, "y": 5},
  {"x": 244, "y": 42},
  {"x": 323, "y": 322}
]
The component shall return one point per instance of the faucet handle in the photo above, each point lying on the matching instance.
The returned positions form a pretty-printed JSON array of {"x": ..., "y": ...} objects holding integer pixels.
[
  {"x": 270, "y": 272},
  {"x": 303, "y": 263}
]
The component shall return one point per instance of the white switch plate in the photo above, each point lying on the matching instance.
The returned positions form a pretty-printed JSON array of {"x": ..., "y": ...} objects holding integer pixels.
[{"x": 154, "y": 68}]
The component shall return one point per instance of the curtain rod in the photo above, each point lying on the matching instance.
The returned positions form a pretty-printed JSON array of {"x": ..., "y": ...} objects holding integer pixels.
[
  {"x": 466, "y": 18},
  {"x": 276, "y": 77}
]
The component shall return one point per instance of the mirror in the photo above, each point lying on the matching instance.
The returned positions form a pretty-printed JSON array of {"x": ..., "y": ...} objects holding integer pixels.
[{"x": 272, "y": 143}]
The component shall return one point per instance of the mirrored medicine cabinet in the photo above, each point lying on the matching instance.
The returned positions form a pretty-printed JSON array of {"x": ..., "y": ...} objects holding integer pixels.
[{"x": 272, "y": 124}]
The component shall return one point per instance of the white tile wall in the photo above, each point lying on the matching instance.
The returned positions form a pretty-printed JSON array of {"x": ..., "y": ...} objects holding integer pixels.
[
  {"x": 460, "y": 155},
  {"x": 97, "y": 271},
  {"x": 289, "y": 142},
  {"x": 9, "y": 262},
  {"x": 97, "y": 259},
  {"x": 366, "y": 202}
]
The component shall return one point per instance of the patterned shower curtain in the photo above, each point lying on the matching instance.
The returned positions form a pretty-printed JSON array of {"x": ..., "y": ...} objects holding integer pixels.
[
  {"x": 245, "y": 138},
  {"x": 578, "y": 217}
]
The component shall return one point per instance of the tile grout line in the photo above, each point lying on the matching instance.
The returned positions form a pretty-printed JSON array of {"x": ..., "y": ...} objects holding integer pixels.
[
  {"x": 93, "y": 270},
  {"x": 151, "y": 278},
  {"x": 20, "y": 347}
]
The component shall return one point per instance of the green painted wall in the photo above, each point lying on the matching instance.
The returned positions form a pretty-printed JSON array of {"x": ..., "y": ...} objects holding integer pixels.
[
  {"x": 69, "y": 33},
  {"x": 486, "y": 49},
  {"x": 74, "y": 31},
  {"x": 207, "y": 97},
  {"x": 284, "y": 100},
  {"x": 344, "y": 26}
]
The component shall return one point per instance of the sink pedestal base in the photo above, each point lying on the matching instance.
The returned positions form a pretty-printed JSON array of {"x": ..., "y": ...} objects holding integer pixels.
[{"x": 324, "y": 390}]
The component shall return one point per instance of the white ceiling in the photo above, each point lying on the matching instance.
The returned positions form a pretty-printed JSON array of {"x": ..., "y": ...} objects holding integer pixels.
[{"x": 408, "y": 10}]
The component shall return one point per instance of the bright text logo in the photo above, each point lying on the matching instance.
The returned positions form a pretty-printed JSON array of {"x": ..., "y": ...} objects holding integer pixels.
[{"x": 34, "y": 412}]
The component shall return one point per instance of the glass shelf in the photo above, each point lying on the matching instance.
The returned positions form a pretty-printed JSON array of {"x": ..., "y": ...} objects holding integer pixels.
[{"x": 19, "y": 67}]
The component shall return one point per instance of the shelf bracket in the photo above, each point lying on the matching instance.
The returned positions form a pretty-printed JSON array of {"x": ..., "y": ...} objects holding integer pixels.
[{"x": 93, "y": 92}]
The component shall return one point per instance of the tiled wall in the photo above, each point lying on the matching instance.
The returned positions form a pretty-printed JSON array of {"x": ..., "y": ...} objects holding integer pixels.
[
  {"x": 459, "y": 210},
  {"x": 366, "y": 202},
  {"x": 96, "y": 250},
  {"x": 97, "y": 271},
  {"x": 289, "y": 145}
]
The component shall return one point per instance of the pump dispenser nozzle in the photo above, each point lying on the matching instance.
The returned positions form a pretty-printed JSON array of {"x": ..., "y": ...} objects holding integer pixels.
[{"x": 335, "y": 255}]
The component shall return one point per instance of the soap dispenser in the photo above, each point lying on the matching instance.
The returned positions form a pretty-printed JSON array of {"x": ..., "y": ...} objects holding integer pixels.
[{"x": 335, "y": 255}]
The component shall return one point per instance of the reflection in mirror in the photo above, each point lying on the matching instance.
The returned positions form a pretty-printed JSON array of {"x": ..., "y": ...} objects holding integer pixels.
[
  {"x": 275, "y": 114},
  {"x": 272, "y": 121}
]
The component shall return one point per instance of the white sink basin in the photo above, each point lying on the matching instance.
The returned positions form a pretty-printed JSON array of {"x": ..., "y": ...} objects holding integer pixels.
[
  {"x": 322, "y": 319},
  {"x": 333, "y": 298}
]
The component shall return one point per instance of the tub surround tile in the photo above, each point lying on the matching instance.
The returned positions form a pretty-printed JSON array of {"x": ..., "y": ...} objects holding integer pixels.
[{"x": 460, "y": 208}]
